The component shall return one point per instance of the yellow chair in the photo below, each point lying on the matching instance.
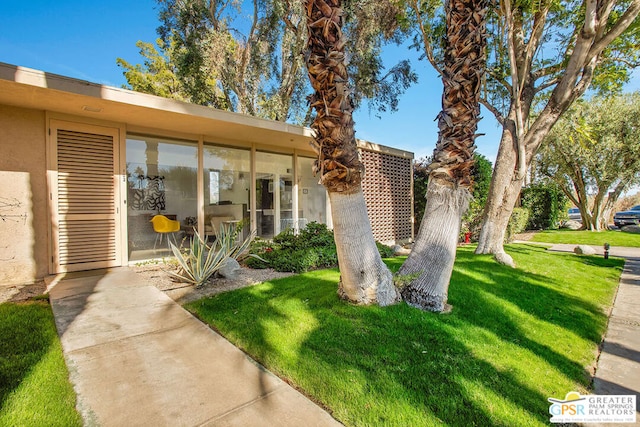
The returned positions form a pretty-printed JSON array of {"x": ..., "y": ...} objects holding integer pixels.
[{"x": 163, "y": 225}]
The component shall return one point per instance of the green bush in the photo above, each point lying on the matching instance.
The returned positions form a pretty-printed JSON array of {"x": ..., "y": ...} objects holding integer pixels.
[
  {"x": 547, "y": 205},
  {"x": 315, "y": 235},
  {"x": 385, "y": 251},
  {"x": 314, "y": 247},
  {"x": 264, "y": 249},
  {"x": 327, "y": 256},
  {"x": 472, "y": 221},
  {"x": 517, "y": 223},
  {"x": 296, "y": 261},
  {"x": 287, "y": 239}
]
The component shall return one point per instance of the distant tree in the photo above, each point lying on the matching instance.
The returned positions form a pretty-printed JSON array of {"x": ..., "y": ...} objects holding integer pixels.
[
  {"x": 593, "y": 154},
  {"x": 213, "y": 40},
  {"x": 364, "y": 278}
]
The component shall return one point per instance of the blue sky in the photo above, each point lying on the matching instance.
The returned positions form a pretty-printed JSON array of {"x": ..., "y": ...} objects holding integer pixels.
[{"x": 82, "y": 39}]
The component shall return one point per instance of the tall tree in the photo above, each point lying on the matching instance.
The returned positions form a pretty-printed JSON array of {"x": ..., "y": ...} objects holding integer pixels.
[
  {"x": 213, "y": 40},
  {"x": 157, "y": 75},
  {"x": 593, "y": 154},
  {"x": 450, "y": 173},
  {"x": 542, "y": 57},
  {"x": 364, "y": 277},
  {"x": 596, "y": 41},
  {"x": 247, "y": 56}
]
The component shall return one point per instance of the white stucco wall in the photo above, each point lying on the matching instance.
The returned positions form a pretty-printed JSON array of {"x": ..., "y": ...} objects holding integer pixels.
[{"x": 23, "y": 196}]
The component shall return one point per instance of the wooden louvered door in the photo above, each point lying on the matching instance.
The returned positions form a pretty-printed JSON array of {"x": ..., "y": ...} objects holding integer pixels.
[{"x": 86, "y": 223}]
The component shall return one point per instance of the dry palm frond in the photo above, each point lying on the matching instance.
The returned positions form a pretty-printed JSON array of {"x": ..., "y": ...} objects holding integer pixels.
[
  {"x": 338, "y": 164},
  {"x": 464, "y": 67}
]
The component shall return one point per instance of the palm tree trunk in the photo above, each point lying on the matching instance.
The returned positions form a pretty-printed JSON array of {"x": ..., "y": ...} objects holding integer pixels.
[
  {"x": 364, "y": 277},
  {"x": 450, "y": 176},
  {"x": 434, "y": 251}
]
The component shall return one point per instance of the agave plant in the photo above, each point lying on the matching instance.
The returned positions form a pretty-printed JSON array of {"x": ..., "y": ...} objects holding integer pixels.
[
  {"x": 228, "y": 241},
  {"x": 200, "y": 261}
]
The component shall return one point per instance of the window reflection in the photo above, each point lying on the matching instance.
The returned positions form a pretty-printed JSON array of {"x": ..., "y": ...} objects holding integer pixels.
[
  {"x": 161, "y": 179},
  {"x": 227, "y": 178},
  {"x": 274, "y": 184}
]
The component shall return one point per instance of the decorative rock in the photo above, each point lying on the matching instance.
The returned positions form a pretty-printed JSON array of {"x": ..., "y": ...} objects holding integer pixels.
[
  {"x": 229, "y": 269},
  {"x": 572, "y": 225},
  {"x": 399, "y": 250},
  {"x": 584, "y": 250}
]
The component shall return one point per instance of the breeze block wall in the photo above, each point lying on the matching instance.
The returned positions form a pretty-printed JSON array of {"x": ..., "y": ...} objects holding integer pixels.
[{"x": 387, "y": 188}]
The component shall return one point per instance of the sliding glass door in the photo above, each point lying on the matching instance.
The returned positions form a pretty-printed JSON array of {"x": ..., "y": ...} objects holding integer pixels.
[{"x": 274, "y": 185}]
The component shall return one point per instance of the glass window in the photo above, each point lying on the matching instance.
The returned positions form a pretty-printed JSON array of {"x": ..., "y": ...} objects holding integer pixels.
[
  {"x": 312, "y": 196},
  {"x": 227, "y": 183},
  {"x": 274, "y": 185},
  {"x": 161, "y": 175}
]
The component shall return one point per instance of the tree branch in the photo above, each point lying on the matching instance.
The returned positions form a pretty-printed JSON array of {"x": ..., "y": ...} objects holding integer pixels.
[
  {"x": 539, "y": 20},
  {"x": 547, "y": 71},
  {"x": 548, "y": 84},
  {"x": 618, "y": 28},
  {"x": 500, "y": 80},
  {"x": 428, "y": 50},
  {"x": 493, "y": 110}
]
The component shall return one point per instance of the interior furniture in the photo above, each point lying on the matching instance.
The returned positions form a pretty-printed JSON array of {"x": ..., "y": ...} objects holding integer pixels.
[{"x": 163, "y": 225}]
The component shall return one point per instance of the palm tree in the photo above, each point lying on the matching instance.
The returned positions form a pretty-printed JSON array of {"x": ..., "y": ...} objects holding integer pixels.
[
  {"x": 448, "y": 191},
  {"x": 364, "y": 277}
]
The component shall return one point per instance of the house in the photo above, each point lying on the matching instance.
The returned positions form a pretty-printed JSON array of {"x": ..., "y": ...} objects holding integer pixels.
[{"x": 84, "y": 167}]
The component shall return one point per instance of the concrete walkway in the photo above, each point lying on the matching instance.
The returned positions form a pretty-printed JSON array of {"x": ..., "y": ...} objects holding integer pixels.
[
  {"x": 618, "y": 371},
  {"x": 137, "y": 358}
]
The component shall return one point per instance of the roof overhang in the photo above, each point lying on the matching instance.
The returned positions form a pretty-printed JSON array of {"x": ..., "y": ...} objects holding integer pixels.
[{"x": 29, "y": 88}]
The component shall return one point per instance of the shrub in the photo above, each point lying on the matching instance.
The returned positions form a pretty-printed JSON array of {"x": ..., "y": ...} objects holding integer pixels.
[
  {"x": 385, "y": 251},
  {"x": 313, "y": 248},
  {"x": 296, "y": 261},
  {"x": 316, "y": 235},
  {"x": 517, "y": 223},
  {"x": 200, "y": 261},
  {"x": 472, "y": 221},
  {"x": 287, "y": 239},
  {"x": 547, "y": 205}
]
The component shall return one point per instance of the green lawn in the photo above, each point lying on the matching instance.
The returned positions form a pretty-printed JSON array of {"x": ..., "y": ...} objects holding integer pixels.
[
  {"x": 583, "y": 237},
  {"x": 514, "y": 338},
  {"x": 34, "y": 382}
]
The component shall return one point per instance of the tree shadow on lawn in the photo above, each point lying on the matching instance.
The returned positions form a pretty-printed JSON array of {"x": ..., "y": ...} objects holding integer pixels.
[
  {"x": 398, "y": 365},
  {"x": 550, "y": 300},
  {"x": 23, "y": 342}
]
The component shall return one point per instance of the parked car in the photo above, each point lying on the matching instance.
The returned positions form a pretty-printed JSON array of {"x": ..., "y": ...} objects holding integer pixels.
[
  {"x": 574, "y": 214},
  {"x": 630, "y": 217}
]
